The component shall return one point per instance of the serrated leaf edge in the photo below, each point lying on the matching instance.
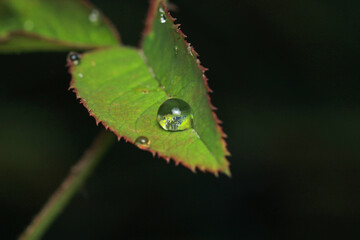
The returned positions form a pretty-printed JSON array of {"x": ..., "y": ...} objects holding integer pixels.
[
  {"x": 225, "y": 169},
  {"x": 148, "y": 27}
]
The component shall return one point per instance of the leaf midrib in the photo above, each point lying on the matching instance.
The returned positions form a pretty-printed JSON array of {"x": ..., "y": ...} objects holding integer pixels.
[{"x": 144, "y": 58}]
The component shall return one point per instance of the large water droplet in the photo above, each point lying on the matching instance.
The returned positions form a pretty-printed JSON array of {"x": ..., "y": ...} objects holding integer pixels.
[
  {"x": 94, "y": 16},
  {"x": 74, "y": 58},
  {"x": 175, "y": 115},
  {"x": 142, "y": 142}
]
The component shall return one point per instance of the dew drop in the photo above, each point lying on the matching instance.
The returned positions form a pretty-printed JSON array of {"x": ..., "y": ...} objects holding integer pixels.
[
  {"x": 175, "y": 115},
  {"x": 80, "y": 75},
  {"x": 142, "y": 142},
  {"x": 74, "y": 58},
  {"x": 94, "y": 16},
  {"x": 176, "y": 48},
  {"x": 162, "y": 18},
  {"x": 28, "y": 25},
  {"x": 190, "y": 50}
]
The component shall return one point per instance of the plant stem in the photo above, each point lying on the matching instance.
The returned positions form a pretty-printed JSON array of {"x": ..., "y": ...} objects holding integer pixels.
[{"x": 71, "y": 184}]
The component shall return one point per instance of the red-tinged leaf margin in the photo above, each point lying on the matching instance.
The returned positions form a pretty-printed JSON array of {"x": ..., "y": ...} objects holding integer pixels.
[
  {"x": 86, "y": 3},
  {"x": 153, "y": 152},
  {"x": 97, "y": 121},
  {"x": 148, "y": 26}
]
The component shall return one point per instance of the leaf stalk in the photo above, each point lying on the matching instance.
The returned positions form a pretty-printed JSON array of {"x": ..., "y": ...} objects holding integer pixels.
[{"x": 71, "y": 184}]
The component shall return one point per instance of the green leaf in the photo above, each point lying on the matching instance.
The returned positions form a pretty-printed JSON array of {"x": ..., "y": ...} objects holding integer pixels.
[
  {"x": 56, "y": 25},
  {"x": 123, "y": 88}
]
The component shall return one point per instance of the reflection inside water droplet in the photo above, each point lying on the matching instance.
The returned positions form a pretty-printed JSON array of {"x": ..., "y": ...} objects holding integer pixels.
[
  {"x": 74, "y": 58},
  {"x": 142, "y": 142},
  {"x": 175, "y": 115}
]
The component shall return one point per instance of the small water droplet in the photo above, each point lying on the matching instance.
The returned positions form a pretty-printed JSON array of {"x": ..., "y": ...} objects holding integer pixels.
[
  {"x": 74, "y": 58},
  {"x": 190, "y": 50},
  {"x": 28, "y": 25},
  {"x": 162, "y": 18},
  {"x": 142, "y": 142},
  {"x": 94, "y": 16},
  {"x": 80, "y": 75},
  {"x": 161, "y": 10},
  {"x": 175, "y": 115},
  {"x": 176, "y": 48}
]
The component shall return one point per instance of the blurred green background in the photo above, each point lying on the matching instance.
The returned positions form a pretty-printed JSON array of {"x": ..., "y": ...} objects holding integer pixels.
[{"x": 286, "y": 81}]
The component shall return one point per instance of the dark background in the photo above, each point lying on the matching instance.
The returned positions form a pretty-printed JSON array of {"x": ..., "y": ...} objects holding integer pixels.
[{"x": 286, "y": 79}]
